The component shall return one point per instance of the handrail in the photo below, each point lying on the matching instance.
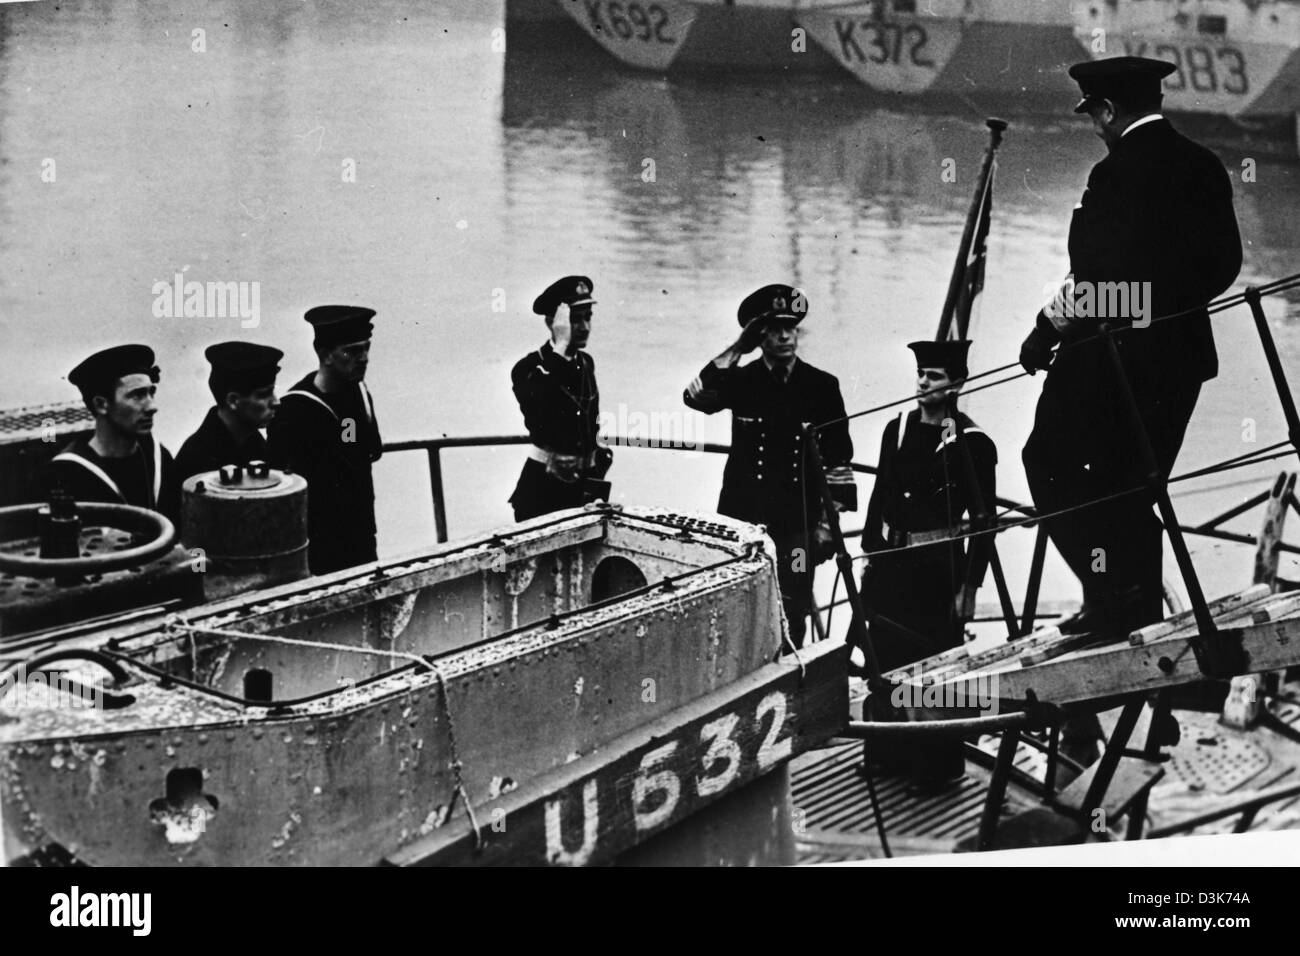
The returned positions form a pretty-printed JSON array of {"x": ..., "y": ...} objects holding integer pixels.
[
  {"x": 433, "y": 448},
  {"x": 1248, "y": 808}
]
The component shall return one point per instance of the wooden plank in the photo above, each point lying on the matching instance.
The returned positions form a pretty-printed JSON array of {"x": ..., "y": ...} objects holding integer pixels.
[
  {"x": 1245, "y": 695},
  {"x": 1067, "y": 643},
  {"x": 1270, "y": 535},
  {"x": 992, "y": 655},
  {"x": 1288, "y": 606},
  {"x": 1125, "y": 668},
  {"x": 1185, "y": 619},
  {"x": 1133, "y": 777},
  {"x": 861, "y": 846},
  {"x": 590, "y": 810}
]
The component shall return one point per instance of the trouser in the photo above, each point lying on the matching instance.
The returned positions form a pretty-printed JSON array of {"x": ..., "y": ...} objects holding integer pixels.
[
  {"x": 537, "y": 493},
  {"x": 795, "y": 578},
  {"x": 908, "y": 601},
  {"x": 910, "y": 616},
  {"x": 1114, "y": 547}
]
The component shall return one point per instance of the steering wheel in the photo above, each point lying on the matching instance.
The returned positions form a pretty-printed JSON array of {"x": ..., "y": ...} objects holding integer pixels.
[{"x": 20, "y": 522}]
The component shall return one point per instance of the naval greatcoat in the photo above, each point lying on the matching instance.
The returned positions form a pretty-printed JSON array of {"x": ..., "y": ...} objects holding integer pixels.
[
  {"x": 1156, "y": 216},
  {"x": 766, "y": 479}
]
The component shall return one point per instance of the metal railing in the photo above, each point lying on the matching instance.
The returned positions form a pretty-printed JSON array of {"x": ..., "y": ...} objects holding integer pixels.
[{"x": 1028, "y": 612}]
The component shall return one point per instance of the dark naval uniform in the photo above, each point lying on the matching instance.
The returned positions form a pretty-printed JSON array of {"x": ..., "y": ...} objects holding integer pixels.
[
  {"x": 307, "y": 436},
  {"x": 560, "y": 403},
  {"x": 212, "y": 446},
  {"x": 146, "y": 478},
  {"x": 923, "y": 486},
  {"x": 766, "y": 479},
  {"x": 240, "y": 367},
  {"x": 332, "y": 440},
  {"x": 1158, "y": 209}
]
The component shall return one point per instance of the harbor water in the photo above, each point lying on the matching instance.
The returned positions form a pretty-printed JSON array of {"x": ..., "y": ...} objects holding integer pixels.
[{"x": 415, "y": 158}]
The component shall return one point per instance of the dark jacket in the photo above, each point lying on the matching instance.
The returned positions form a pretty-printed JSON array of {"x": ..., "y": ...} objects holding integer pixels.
[
  {"x": 331, "y": 440},
  {"x": 1157, "y": 209},
  {"x": 212, "y": 446},
  {"x": 923, "y": 485},
  {"x": 559, "y": 399},
  {"x": 146, "y": 479},
  {"x": 765, "y": 480}
]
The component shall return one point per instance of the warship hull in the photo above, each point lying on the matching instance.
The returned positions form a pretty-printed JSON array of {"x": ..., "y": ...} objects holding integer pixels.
[{"x": 555, "y": 693}]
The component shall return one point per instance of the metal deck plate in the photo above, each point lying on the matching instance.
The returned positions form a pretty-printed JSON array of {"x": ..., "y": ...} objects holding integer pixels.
[
  {"x": 834, "y": 821},
  {"x": 1211, "y": 759},
  {"x": 18, "y": 424}
]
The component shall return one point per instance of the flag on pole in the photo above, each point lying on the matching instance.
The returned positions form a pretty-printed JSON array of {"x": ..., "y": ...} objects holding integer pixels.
[{"x": 973, "y": 278}]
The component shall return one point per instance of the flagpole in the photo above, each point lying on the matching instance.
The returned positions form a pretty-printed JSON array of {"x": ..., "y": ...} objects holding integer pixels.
[{"x": 996, "y": 129}]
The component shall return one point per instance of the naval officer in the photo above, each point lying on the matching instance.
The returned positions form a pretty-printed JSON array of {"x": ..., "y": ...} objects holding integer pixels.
[
  {"x": 918, "y": 600},
  {"x": 242, "y": 383},
  {"x": 325, "y": 430},
  {"x": 1157, "y": 218},
  {"x": 766, "y": 479},
  {"x": 555, "y": 386},
  {"x": 121, "y": 461}
]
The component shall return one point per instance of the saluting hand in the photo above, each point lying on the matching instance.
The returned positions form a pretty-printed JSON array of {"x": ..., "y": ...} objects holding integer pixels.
[
  {"x": 751, "y": 337},
  {"x": 561, "y": 329}
]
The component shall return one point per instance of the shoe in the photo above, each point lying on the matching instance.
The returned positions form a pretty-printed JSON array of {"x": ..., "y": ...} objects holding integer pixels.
[{"x": 1086, "y": 619}]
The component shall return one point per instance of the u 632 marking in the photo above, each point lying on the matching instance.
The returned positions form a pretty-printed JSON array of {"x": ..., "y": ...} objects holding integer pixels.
[{"x": 663, "y": 778}]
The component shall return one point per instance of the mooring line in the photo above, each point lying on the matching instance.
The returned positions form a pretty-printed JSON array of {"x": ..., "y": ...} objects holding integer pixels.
[{"x": 175, "y": 622}]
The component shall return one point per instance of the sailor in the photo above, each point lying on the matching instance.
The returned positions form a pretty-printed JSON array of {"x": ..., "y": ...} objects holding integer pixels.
[
  {"x": 766, "y": 479},
  {"x": 121, "y": 461},
  {"x": 325, "y": 430},
  {"x": 555, "y": 386},
  {"x": 1156, "y": 220},
  {"x": 919, "y": 586},
  {"x": 242, "y": 382}
]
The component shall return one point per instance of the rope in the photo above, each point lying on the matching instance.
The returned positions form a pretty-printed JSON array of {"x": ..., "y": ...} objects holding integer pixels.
[
  {"x": 1230, "y": 465},
  {"x": 1218, "y": 305},
  {"x": 175, "y": 622}
]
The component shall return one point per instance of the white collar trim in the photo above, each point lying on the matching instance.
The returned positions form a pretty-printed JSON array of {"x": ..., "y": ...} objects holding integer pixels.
[{"x": 1149, "y": 118}]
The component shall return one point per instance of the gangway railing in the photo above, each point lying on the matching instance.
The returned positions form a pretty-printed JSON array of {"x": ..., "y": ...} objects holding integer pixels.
[{"x": 1029, "y": 607}]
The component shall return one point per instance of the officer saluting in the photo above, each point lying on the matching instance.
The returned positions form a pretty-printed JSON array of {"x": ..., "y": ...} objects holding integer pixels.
[
  {"x": 120, "y": 461},
  {"x": 766, "y": 478},
  {"x": 917, "y": 600},
  {"x": 555, "y": 386},
  {"x": 242, "y": 383},
  {"x": 325, "y": 430},
  {"x": 1157, "y": 212}
]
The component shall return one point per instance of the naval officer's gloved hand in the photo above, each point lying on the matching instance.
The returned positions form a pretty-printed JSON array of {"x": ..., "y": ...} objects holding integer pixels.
[{"x": 1036, "y": 352}]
